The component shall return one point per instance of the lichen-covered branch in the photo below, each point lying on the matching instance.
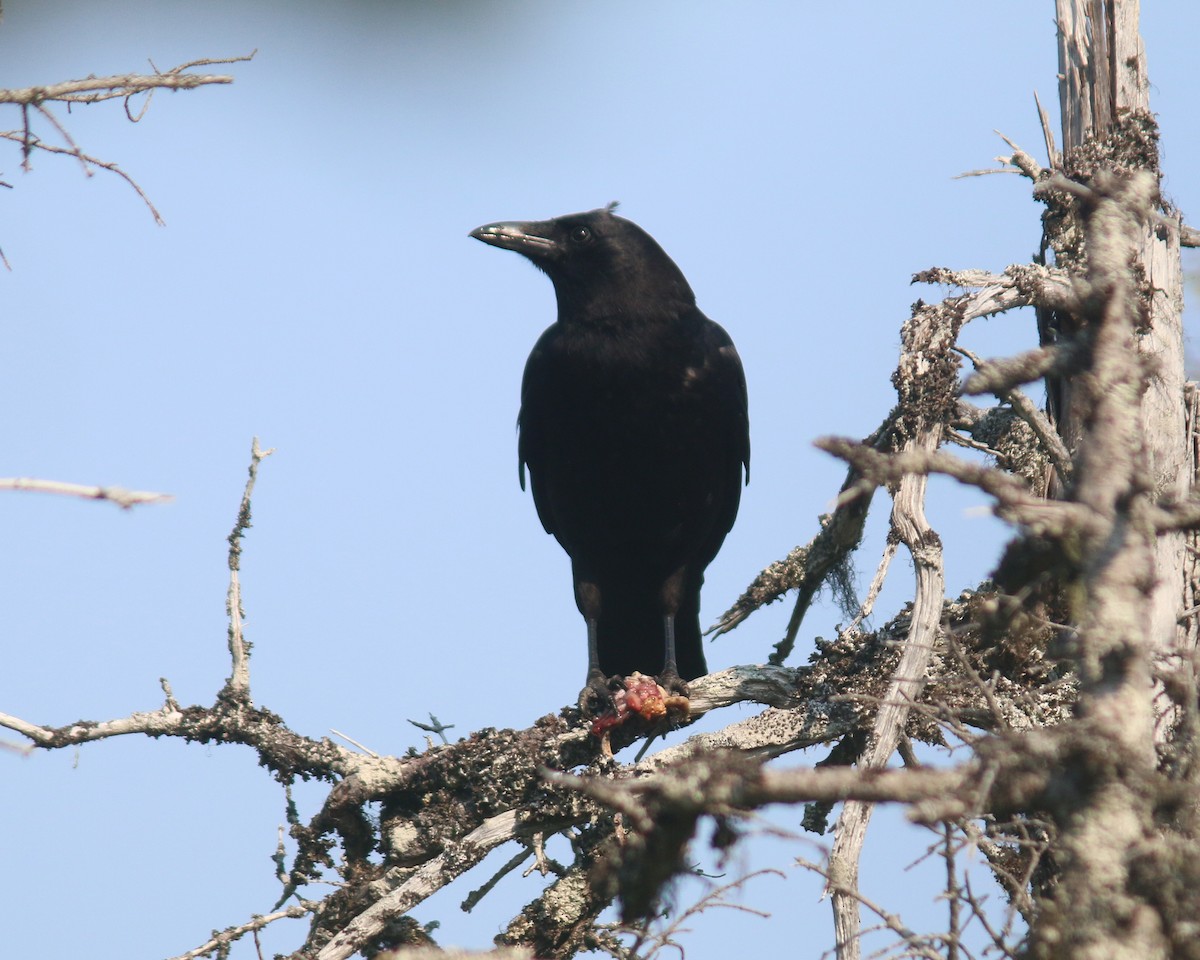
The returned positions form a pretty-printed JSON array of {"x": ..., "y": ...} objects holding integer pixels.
[{"x": 237, "y": 689}]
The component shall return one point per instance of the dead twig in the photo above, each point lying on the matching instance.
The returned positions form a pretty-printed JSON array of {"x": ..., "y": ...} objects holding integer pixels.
[
  {"x": 238, "y": 686},
  {"x": 95, "y": 90},
  {"x": 119, "y": 495}
]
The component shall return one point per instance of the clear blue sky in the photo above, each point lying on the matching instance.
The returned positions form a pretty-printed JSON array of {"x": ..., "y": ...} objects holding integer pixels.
[{"x": 315, "y": 286}]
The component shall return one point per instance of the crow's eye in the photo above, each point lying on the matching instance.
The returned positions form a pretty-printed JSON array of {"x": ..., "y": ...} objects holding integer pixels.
[{"x": 581, "y": 234}]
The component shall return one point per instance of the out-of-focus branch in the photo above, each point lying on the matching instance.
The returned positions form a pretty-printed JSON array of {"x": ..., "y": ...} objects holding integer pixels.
[
  {"x": 1038, "y": 422},
  {"x": 119, "y": 495},
  {"x": 95, "y": 89},
  {"x": 1014, "y": 502},
  {"x": 33, "y": 100},
  {"x": 717, "y": 784},
  {"x": 88, "y": 162},
  {"x": 1020, "y": 285}
]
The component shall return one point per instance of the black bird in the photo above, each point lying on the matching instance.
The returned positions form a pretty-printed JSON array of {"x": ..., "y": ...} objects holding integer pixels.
[{"x": 634, "y": 428}]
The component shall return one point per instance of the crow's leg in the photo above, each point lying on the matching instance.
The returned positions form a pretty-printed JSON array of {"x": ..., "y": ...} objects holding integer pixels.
[
  {"x": 597, "y": 693},
  {"x": 671, "y": 596}
]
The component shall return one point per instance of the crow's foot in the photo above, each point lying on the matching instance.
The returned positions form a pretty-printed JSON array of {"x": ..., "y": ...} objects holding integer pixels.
[
  {"x": 673, "y": 684},
  {"x": 611, "y": 701},
  {"x": 600, "y": 695}
]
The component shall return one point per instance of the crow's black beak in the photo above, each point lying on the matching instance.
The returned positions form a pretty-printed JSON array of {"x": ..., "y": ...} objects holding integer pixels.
[{"x": 524, "y": 237}]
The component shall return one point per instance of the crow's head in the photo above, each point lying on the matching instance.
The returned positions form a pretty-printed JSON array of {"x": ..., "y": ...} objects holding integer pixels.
[{"x": 602, "y": 265}]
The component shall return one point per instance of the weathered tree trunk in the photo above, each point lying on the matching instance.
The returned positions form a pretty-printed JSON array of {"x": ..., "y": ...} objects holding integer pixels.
[
  {"x": 1123, "y": 417},
  {"x": 1106, "y": 121}
]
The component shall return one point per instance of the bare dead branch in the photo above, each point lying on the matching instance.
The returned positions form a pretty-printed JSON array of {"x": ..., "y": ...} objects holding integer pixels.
[
  {"x": 238, "y": 686},
  {"x": 279, "y": 748},
  {"x": 806, "y": 567},
  {"x": 230, "y": 935},
  {"x": 119, "y": 495},
  {"x": 1014, "y": 502},
  {"x": 914, "y": 945},
  {"x": 1017, "y": 162},
  {"x": 1009, "y": 372},
  {"x": 908, "y": 679},
  {"x": 94, "y": 89},
  {"x": 716, "y": 898},
  {"x": 925, "y": 381},
  {"x": 1020, "y": 285},
  {"x": 95, "y": 162},
  {"x": 427, "y": 879},
  {"x": 1042, "y": 428},
  {"x": 1053, "y": 157}
]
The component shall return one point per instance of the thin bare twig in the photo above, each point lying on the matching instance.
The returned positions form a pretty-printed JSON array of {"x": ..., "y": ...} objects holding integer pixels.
[
  {"x": 62, "y": 132},
  {"x": 354, "y": 743},
  {"x": 489, "y": 885},
  {"x": 914, "y": 943},
  {"x": 94, "y": 161},
  {"x": 877, "y": 581},
  {"x": 713, "y": 899},
  {"x": 1053, "y": 157},
  {"x": 232, "y": 934},
  {"x": 94, "y": 90}
]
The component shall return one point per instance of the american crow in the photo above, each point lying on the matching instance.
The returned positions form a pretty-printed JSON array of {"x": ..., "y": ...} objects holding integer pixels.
[{"x": 634, "y": 428}]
